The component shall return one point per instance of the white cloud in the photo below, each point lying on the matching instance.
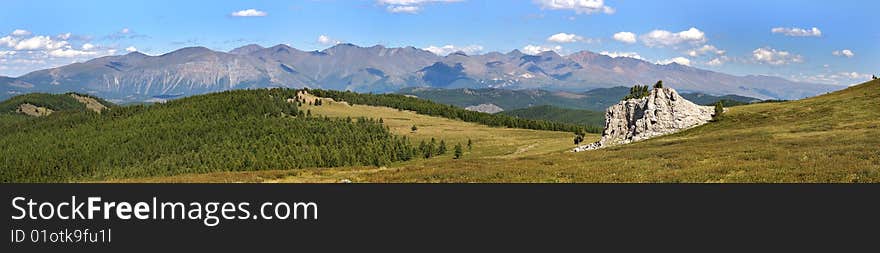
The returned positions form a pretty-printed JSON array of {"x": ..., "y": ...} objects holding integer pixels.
[
  {"x": 404, "y": 9},
  {"x": 533, "y": 50},
  {"x": 633, "y": 55},
  {"x": 448, "y": 49},
  {"x": 39, "y": 43},
  {"x": 662, "y": 38},
  {"x": 679, "y": 60},
  {"x": 8, "y": 41},
  {"x": 578, "y": 6},
  {"x": 705, "y": 49},
  {"x": 131, "y": 49},
  {"x": 409, "y": 6},
  {"x": 63, "y": 36},
  {"x": 845, "y": 53},
  {"x": 840, "y": 78},
  {"x": 249, "y": 13},
  {"x": 568, "y": 38},
  {"x": 326, "y": 40},
  {"x": 625, "y": 37},
  {"x": 70, "y": 53},
  {"x": 775, "y": 57},
  {"x": 87, "y": 46},
  {"x": 715, "y": 62},
  {"x": 125, "y": 30},
  {"x": 797, "y": 32},
  {"x": 20, "y": 33}
]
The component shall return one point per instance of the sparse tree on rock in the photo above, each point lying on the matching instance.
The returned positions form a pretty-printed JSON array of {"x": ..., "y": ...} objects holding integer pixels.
[{"x": 658, "y": 85}]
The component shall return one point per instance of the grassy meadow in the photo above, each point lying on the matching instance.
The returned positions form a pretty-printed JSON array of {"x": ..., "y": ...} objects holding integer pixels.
[{"x": 828, "y": 138}]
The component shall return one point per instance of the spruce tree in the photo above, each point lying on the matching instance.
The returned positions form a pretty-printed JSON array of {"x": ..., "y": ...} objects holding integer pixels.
[
  {"x": 414, "y": 128},
  {"x": 442, "y": 149},
  {"x": 470, "y": 144},
  {"x": 458, "y": 150}
]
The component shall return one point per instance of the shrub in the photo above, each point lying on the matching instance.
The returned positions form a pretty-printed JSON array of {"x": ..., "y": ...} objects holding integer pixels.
[
  {"x": 719, "y": 111},
  {"x": 637, "y": 91}
]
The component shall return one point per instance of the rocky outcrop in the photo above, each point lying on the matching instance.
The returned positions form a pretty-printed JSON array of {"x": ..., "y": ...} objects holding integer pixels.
[
  {"x": 662, "y": 112},
  {"x": 487, "y": 108},
  {"x": 90, "y": 103},
  {"x": 33, "y": 110}
]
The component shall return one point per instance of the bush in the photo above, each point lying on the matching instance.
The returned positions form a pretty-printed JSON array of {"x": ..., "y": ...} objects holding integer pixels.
[{"x": 719, "y": 111}]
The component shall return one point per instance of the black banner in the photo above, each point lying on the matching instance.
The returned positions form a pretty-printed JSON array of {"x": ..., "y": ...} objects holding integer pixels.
[{"x": 456, "y": 217}]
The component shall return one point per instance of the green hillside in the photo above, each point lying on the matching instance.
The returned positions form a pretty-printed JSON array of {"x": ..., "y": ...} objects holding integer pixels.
[
  {"x": 55, "y": 102},
  {"x": 829, "y": 138},
  {"x": 556, "y": 114},
  {"x": 593, "y": 100},
  {"x": 229, "y": 131}
]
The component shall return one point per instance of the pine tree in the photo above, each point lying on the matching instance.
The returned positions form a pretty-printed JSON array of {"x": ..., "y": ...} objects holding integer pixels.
[
  {"x": 658, "y": 85},
  {"x": 470, "y": 144},
  {"x": 719, "y": 111},
  {"x": 458, "y": 151},
  {"x": 442, "y": 149}
]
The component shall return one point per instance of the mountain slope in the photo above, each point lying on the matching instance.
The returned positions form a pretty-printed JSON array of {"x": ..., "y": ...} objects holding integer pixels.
[
  {"x": 830, "y": 138},
  {"x": 197, "y": 70},
  {"x": 593, "y": 100},
  {"x": 229, "y": 131},
  {"x": 55, "y": 102},
  {"x": 552, "y": 113}
]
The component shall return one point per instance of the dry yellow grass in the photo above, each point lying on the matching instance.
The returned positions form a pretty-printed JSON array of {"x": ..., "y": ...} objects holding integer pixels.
[{"x": 830, "y": 138}]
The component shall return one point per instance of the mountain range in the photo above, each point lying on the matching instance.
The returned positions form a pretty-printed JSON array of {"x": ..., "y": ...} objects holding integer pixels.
[{"x": 188, "y": 71}]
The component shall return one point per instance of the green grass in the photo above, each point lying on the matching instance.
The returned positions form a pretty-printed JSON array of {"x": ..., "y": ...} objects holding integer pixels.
[{"x": 829, "y": 138}]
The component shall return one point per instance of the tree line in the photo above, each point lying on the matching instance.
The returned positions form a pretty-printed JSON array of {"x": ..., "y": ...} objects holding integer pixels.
[
  {"x": 241, "y": 130},
  {"x": 429, "y": 108}
]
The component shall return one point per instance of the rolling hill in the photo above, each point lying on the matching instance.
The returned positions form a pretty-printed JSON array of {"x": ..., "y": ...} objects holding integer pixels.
[
  {"x": 136, "y": 77},
  {"x": 829, "y": 138},
  {"x": 55, "y": 102},
  {"x": 228, "y": 131}
]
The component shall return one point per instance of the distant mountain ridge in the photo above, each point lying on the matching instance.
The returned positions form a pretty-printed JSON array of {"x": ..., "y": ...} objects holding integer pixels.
[
  {"x": 196, "y": 70},
  {"x": 595, "y": 100}
]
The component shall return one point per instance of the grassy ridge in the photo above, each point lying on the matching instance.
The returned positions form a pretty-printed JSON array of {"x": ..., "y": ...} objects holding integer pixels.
[
  {"x": 829, "y": 138},
  {"x": 56, "y": 102},
  {"x": 229, "y": 131}
]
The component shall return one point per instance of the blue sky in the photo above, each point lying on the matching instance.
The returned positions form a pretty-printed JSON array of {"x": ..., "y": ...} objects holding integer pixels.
[{"x": 816, "y": 41}]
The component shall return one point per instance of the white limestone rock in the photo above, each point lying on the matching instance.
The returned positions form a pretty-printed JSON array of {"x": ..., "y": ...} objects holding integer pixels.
[{"x": 662, "y": 112}]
